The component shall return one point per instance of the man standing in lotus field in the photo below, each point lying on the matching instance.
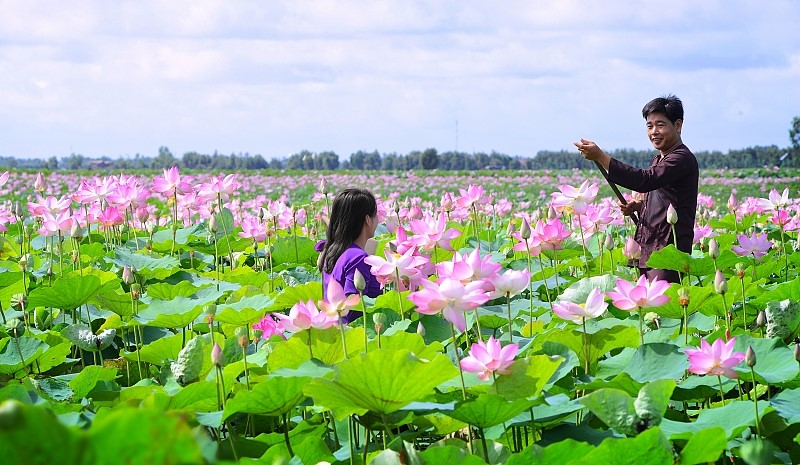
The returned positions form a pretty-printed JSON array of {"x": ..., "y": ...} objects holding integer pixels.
[{"x": 671, "y": 179}]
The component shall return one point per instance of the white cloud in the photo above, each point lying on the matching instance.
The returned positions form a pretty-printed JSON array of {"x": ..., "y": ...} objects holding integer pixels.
[{"x": 109, "y": 78}]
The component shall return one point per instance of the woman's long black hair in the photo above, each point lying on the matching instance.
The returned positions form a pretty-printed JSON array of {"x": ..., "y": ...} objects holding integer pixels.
[{"x": 348, "y": 212}]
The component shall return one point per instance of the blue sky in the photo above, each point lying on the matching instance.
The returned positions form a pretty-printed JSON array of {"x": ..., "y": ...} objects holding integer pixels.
[{"x": 276, "y": 77}]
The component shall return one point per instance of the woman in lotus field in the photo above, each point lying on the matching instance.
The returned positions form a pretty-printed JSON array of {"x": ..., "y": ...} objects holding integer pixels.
[{"x": 353, "y": 219}]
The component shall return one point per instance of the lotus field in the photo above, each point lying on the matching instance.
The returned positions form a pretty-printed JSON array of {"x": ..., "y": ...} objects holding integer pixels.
[{"x": 179, "y": 318}]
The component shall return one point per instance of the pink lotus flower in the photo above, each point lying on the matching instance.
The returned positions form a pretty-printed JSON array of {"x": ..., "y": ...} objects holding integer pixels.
[
  {"x": 48, "y": 204},
  {"x": 756, "y": 245},
  {"x": 471, "y": 268},
  {"x": 396, "y": 267},
  {"x": 337, "y": 304},
  {"x": 510, "y": 283},
  {"x": 305, "y": 315},
  {"x": 95, "y": 191},
  {"x": 595, "y": 306},
  {"x": 432, "y": 232},
  {"x": 645, "y": 294},
  {"x": 58, "y": 224},
  {"x": 171, "y": 183},
  {"x": 111, "y": 217},
  {"x": 715, "y": 359},
  {"x": 223, "y": 186},
  {"x": 551, "y": 234},
  {"x": 578, "y": 198},
  {"x": 631, "y": 251},
  {"x": 472, "y": 196},
  {"x": 486, "y": 358},
  {"x": 4, "y": 178},
  {"x": 269, "y": 327},
  {"x": 253, "y": 229},
  {"x": 775, "y": 201},
  {"x": 451, "y": 297}
]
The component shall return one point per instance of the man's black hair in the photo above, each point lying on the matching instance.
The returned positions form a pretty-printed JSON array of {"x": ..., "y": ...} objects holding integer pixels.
[{"x": 668, "y": 105}]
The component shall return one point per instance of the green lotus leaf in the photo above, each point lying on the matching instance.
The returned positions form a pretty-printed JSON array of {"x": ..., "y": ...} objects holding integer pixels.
[
  {"x": 411, "y": 341},
  {"x": 775, "y": 361},
  {"x": 18, "y": 353},
  {"x": 704, "y": 447},
  {"x": 650, "y": 447},
  {"x": 35, "y": 432},
  {"x": 69, "y": 292},
  {"x": 54, "y": 389},
  {"x": 133, "y": 433},
  {"x": 450, "y": 454},
  {"x": 245, "y": 275},
  {"x": 182, "y": 236},
  {"x": 244, "y": 312},
  {"x": 618, "y": 410},
  {"x": 381, "y": 381},
  {"x": 87, "y": 379},
  {"x": 175, "y": 313},
  {"x": 196, "y": 397},
  {"x": 159, "y": 351},
  {"x": 578, "y": 291},
  {"x": 58, "y": 350},
  {"x": 291, "y": 295},
  {"x": 734, "y": 418},
  {"x": 558, "y": 453},
  {"x": 117, "y": 302},
  {"x": 390, "y": 300},
  {"x": 489, "y": 410},
  {"x": 670, "y": 258},
  {"x": 528, "y": 377},
  {"x": 284, "y": 251},
  {"x": 655, "y": 361},
  {"x": 167, "y": 291},
  {"x": 787, "y": 403},
  {"x": 150, "y": 266},
  {"x": 701, "y": 299},
  {"x": 600, "y": 343},
  {"x": 273, "y": 397}
]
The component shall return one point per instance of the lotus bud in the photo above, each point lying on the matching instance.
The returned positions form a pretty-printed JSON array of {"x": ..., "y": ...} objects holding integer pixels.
[
  {"x": 728, "y": 331},
  {"x": 525, "y": 229},
  {"x": 761, "y": 319},
  {"x": 552, "y": 213},
  {"x": 76, "y": 232},
  {"x": 49, "y": 271},
  {"x": 136, "y": 291},
  {"x": 609, "y": 242},
  {"x": 217, "y": 357},
  {"x": 127, "y": 275},
  {"x": 511, "y": 228},
  {"x": 379, "y": 319},
  {"x": 40, "y": 184},
  {"x": 672, "y": 215},
  {"x": 213, "y": 224},
  {"x": 421, "y": 329},
  {"x": 740, "y": 268},
  {"x": 323, "y": 185},
  {"x": 632, "y": 251},
  {"x": 713, "y": 249},
  {"x": 359, "y": 281},
  {"x": 733, "y": 203},
  {"x": 683, "y": 297},
  {"x": 797, "y": 352},
  {"x": 23, "y": 262},
  {"x": 19, "y": 212},
  {"x": 210, "y": 310},
  {"x": 720, "y": 283},
  {"x": 241, "y": 337},
  {"x": 750, "y": 357}
]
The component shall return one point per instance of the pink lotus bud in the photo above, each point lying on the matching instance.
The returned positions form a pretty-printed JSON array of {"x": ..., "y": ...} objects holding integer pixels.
[
  {"x": 720, "y": 283},
  {"x": 142, "y": 214},
  {"x": 609, "y": 242},
  {"x": 632, "y": 251},
  {"x": 525, "y": 229},
  {"x": 217, "y": 357},
  {"x": 713, "y": 249},
  {"x": 128, "y": 275},
  {"x": 733, "y": 203},
  {"x": 40, "y": 184},
  {"x": 213, "y": 224},
  {"x": 672, "y": 215},
  {"x": 750, "y": 357},
  {"x": 761, "y": 319},
  {"x": 421, "y": 329},
  {"x": 323, "y": 185},
  {"x": 359, "y": 281}
]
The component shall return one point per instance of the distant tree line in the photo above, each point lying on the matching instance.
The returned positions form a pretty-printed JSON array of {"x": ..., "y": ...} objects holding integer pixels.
[{"x": 428, "y": 159}]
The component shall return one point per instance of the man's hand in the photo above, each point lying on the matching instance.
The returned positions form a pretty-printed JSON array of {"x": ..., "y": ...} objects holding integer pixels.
[
  {"x": 627, "y": 209},
  {"x": 590, "y": 151}
]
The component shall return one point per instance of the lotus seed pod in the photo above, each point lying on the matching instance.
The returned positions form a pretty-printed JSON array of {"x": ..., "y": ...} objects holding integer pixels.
[
  {"x": 683, "y": 297},
  {"x": 379, "y": 319},
  {"x": 359, "y": 281},
  {"x": 210, "y": 309},
  {"x": 242, "y": 337},
  {"x": 750, "y": 357},
  {"x": 720, "y": 283},
  {"x": 217, "y": 357},
  {"x": 761, "y": 320},
  {"x": 740, "y": 269},
  {"x": 525, "y": 229},
  {"x": 136, "y": 291},
  {"x": 713, "y": 249}
]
